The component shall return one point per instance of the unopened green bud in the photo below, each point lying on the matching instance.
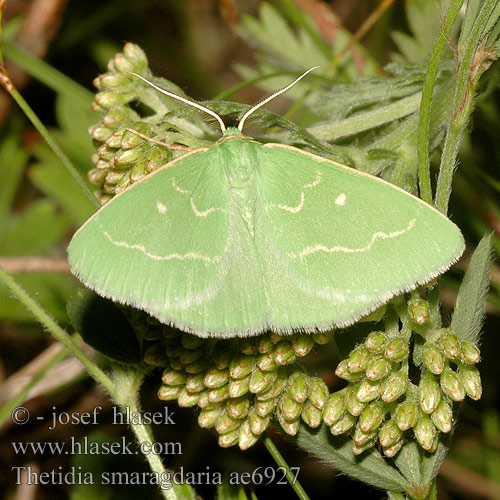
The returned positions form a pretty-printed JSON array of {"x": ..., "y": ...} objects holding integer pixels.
[
  {"x": 451, "y": 385},
  {"x": 266, "y": 362},
  {"x": 318, "y": 393},
  {"x": 238, "y": 387},
  {"x": 189, "y": 341},
  {"x": 369, "y": 390},
  {"x": 358, "y": 360},
  {"x": 358, "y": 449},
  {"x": 238, "y": 407},
  {"x": 311, "y": 415},
  {"x": 334, "y": 408},
  {"x": 378, "y": 369},
  {"x": 284, "y": 354},
  {"x": 289, "y": 407},
  {"x": 122, "y": 64},
  {"x": 126, "y": 157},
  {"x": 298, "y": 386},
  {"x": 215, "y": 378},
  {"x": 342, "y": 371},
  {"x": 392, "y": 450},
  {"x": 168, "y": 392},
  {"x": 469, "y": 375},
  {"x": 96, "y": 176},
  {"x": 155, "y": 355},
  {"x": 274, "y": 390},
  {"x": 418, "y": 309},
  {"x": 112, "y": 81},
  {"x": 106, "y": 153},
  {"x": 275, "y": 338},
  {"x": 229, "y": 439},
  {"x": 264, "y": 408},
  {"x": 389, "y": 434},
  {"x": 302, "y": 345},
  {"x": 114, "y": 177},
  {"x": 188, "y": 399},
  {"x": 225, "y": 423},
  {"x": 194, "y": 383},
  {"x": 108, "y": 100},
  {"x": 322, "y": 338},
  {"x": 406, "y": 414},
  {"x": 172, "y": 377},
  {"x": 248, "y": 346},
  {"x": 291, "y": 427},
  {"x": 361, "y": 437},
  {"x": 100, "y": 133},
  {"x": 449, "y": 344},
  {"x": 433, "y": 359},
  {"x": 394, "y": 386},
  {"x": 136, "y": 55},
  {"x": 189, "y": 356},
  {"x": 175, "y": 363},
  {"x": 376, "y": 342},
  {"x": 257, "y": 423},
  {"x": 262, "y": 381},
  {"x": 372, "y": 416},
  {"x": 247, "y": 437},
  {"x": 442, "y": 416},
  {"x": 218, "y": 395},
  {"x": 429, "y": 392},
  {"x": 204, "y": 402},
  {"x": 425, "y": 432},
  {"x": 222, "y": 360},
  {"x": 343, "y": 425},
  {"x": 196, "y": 367},
  {"x": 469, "y": 352},
  {"x": 353, "y": 405},
  {"x": 241, "y": 367},
  {"x": 265, "y": 346},
  {"x": 208, "y": 417},
  {"x": 397, "y": 349}
]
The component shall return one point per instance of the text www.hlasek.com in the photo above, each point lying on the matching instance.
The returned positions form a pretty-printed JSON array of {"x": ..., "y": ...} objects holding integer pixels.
[{"x": 86, "y": 447}]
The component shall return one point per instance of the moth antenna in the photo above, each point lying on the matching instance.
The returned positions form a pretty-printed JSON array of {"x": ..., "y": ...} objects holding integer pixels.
[
  {"x": 272, "y": 96},
  {"x": 184, "y": 100}
]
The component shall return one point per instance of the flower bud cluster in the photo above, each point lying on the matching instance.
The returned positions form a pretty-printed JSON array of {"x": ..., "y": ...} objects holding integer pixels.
[
  {"x": 129, "y": 146},
  {"x": 380, "y": 403},
  {"x": 241, "y": 384}
]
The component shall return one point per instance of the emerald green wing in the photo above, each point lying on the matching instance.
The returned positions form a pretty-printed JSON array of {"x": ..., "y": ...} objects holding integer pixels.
[
  {"x": 161, "y": 244},
  {"x": 337, "y": 243}
]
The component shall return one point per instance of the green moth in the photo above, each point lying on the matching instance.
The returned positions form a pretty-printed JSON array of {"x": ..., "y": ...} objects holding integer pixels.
[{"x": 244, "y": 237}]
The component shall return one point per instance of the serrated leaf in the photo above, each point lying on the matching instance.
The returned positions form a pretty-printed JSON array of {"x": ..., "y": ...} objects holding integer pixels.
[
  {"x": 50, "y": 291},
  {"x": 103, "y": 326},
  {"x": 35, "y": 231},
  {"x": 471, "y": 299},
  {"x": 408, "y": 462},
  {"x": 370, "y": 467}
]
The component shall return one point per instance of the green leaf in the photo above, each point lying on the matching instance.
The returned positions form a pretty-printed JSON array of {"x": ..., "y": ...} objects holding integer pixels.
[
  {"x": 103, "y": 326},
  {"x": 52, "y": 178},
  {"x": 471, "y": 300},
  {"x": 227, "y": 492},
  {"x": 12, "y": 161},
  {"x": 35, "y": 231},
  {"x": 370, "y": 467},
  {"x": 408, "y": 463}
]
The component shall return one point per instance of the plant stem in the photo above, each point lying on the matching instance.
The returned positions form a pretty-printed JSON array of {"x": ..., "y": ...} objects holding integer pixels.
[
  {"x": 278, "y": 458},
  {"x": 127, "y": 382},
  {"x": 467, "y": 78},
  {"x": 48, "y": 322},
  {"x": 53, "y": 145},
  {"x": 424, "y": 173}
]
